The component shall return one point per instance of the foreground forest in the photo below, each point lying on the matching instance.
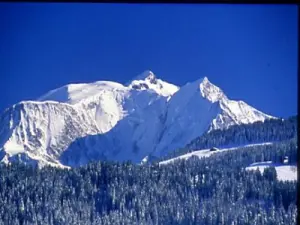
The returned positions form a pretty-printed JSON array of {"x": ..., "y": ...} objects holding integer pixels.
[{"x": 214, "y": 190}]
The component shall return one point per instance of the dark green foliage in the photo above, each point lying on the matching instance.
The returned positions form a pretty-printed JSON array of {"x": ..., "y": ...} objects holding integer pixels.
[{"x": 215, "y": 190}]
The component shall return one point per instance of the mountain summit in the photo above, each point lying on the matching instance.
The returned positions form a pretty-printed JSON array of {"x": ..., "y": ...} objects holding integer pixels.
[
  {"x": 105, "y": 120},
  {"x": 148, "y": 81},
  {"x": 146, "y": 75},
  {"x": 210, "y": 91}
]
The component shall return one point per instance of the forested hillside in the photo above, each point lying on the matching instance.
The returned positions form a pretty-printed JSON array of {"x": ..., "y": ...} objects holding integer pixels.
[
  {"x": 214, "y": 190},
  {"x": 273, "y": 130}
]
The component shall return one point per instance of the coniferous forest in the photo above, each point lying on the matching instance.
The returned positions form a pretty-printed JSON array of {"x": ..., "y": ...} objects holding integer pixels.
[
  {"x": 210, "y": 191},
  {"x": 272, "y": 130}
]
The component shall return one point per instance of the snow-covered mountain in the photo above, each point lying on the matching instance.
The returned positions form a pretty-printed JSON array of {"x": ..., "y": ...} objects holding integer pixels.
[{"x": 77, "y": 123}]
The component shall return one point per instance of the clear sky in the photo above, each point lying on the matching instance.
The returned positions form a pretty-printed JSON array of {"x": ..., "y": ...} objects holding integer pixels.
[{"x": 249, "y": 51}]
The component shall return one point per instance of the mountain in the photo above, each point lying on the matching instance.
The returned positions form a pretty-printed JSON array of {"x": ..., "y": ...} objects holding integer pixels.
[{"x": 105, "y": 120}]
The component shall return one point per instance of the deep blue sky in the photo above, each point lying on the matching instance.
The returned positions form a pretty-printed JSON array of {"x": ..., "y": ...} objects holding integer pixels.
[{"x": 249, "y": 51}]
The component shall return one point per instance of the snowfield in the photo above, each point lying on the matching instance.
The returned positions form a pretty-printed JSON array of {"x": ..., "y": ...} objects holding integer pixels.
[
  {"x": 206, "y": 152},
  {"x": 284, "y": 172}
]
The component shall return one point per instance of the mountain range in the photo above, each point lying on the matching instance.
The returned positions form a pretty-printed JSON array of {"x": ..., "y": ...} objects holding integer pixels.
[{"x": 105, "y": 120}]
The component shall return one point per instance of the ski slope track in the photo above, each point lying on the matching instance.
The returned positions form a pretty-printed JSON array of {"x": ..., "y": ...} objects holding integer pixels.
[
  {"x": 207, "y": 153},
  {"x": 105, "y": 120}
]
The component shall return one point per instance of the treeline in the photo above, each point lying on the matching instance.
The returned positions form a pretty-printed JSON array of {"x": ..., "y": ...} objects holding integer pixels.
[
  {"x": 209, "y": 191},
  {"x": 273, "y": 130}
]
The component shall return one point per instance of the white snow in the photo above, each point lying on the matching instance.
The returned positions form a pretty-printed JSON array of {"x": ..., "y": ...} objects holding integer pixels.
[
  {"x": 12, "y": 148},
  {"x": 210, "y": 91},
  {"x": 147, "y": 80},
  {"x": 197, "y": 107},
  {"x": 75, "y": 93},
  {"x": 284, "y": 172},
  {"x": 122, "y": 122}
]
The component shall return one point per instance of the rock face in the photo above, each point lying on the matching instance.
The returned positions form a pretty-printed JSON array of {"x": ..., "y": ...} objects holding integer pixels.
[{"x": 104, "y": 120}]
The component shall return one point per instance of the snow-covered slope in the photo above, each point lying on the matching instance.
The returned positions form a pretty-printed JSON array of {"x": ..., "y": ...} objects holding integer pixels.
[
  {"x": 284, "y": 172},
  {"x": 207, "y": 153},
  {"x": 148, "y": 81},
  {"x": 198, "y": 107},
  {"x": 77, "y": 123}
]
